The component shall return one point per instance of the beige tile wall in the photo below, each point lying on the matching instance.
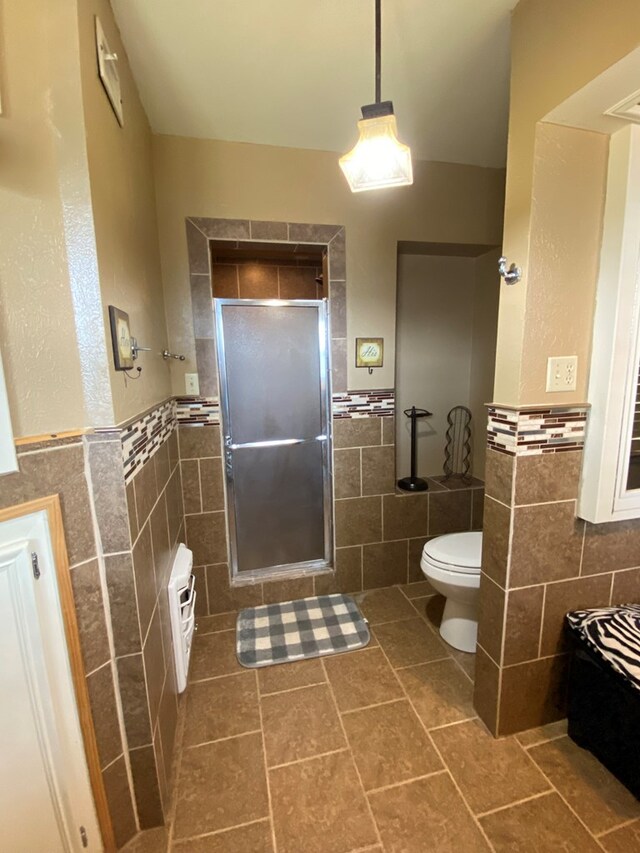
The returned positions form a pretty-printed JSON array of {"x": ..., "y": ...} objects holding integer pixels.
[
  {"x": 265, "y": 280},
  {"x": 539, "y": 561},
  {"x": 200, "y": 231},
  {"x": 58, "y": 467},
  {"x": 140, "y": 526},
  {"x": 379, "y": 534}
]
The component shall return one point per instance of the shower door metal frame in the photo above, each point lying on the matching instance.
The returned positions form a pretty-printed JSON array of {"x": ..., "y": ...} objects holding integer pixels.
[{"x": 309, "y": 566}]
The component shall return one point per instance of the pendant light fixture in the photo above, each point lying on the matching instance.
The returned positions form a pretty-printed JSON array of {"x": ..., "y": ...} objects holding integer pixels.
[{"x": 378, "y": 159}]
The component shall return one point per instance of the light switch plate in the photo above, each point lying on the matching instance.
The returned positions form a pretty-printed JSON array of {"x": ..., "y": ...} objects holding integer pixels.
[
  {"x": 192, "y": 386},
  {"x": 562, "y": 373}
]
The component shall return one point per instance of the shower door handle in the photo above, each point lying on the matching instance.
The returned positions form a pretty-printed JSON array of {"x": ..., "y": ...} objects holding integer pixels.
[
  {"x": 255, "y": 445},
  {"x": 228, "y": 456},
  {"x": 278, "y": 442}
]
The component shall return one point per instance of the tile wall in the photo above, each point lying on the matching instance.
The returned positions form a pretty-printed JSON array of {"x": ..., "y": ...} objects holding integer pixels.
[
  {"x": 58, "y": 467},
  {"x": 135, "y": 481},
  {"x": 264, "y": 280},
  {"x": 121, "y": 500},
  {"x": 539, "y": 561},
  {"x": 201, "y": 231},
  {"x": 379, "y": 533}
]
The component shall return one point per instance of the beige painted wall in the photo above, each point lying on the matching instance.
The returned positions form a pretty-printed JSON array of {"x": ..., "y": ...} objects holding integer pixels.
[
  {"x": 446, "y": 335},
  {"x": 578, "y": 41},
  {"x": 37, "y": 330},
  {"x": 569, "y": 184},
  {"x": 196, "y": 177},
  {"x": 483, "y": 351},
  {"x": 434, "y": 325},
  {"x": 124, "y": 212}
]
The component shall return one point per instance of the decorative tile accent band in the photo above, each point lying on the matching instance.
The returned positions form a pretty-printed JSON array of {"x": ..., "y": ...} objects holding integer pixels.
[
  {"x": 141, "y": 439},
  {"x": 198, "y": 410},
  {"x": 364, "y": 404},
  {"x": 352, "y": 404},
  {"x": 532, "y": 432}
]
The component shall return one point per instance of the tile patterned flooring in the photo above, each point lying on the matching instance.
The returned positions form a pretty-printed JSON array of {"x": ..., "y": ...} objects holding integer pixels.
[{"x": 375, "y": 750}]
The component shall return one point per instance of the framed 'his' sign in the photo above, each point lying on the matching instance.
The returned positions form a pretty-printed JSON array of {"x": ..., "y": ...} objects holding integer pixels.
[{"x": 369, "y": 352}]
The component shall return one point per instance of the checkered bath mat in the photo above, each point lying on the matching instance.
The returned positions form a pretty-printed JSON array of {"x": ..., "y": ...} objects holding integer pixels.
[{"x": 309, "y": 628}]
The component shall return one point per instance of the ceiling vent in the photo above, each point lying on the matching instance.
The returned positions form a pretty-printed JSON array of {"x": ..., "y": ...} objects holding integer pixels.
[{"x": 628, "y": 109}]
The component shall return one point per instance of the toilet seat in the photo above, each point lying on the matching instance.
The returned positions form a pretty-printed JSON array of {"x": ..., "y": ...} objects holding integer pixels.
[{"x": 455, "y": 552}]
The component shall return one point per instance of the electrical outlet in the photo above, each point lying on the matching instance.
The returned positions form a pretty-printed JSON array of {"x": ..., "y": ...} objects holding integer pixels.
[
  {"x": 192, "y": 385},
  {"x": 562, "y": 372}
]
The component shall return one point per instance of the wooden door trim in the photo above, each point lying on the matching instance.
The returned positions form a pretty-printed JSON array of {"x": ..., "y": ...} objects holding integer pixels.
[{"x": 51, "y": 505}]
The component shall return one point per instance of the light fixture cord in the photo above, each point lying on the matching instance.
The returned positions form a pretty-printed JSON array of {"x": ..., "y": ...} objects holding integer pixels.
[{"x": 378, "y": 52}]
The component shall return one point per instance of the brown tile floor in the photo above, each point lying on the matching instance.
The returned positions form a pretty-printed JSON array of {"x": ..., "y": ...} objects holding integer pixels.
[{"x": 375, "y": 750}]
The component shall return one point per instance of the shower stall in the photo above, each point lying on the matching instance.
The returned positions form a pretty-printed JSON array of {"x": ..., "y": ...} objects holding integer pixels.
[{"x": 275, "y": 395}]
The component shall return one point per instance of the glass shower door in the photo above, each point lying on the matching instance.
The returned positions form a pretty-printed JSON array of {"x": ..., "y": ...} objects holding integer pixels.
[{"x": 275, "y": 401}]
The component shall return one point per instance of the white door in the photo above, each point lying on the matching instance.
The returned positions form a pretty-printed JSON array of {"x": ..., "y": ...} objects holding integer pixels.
[{"x": 46, "y": 803}]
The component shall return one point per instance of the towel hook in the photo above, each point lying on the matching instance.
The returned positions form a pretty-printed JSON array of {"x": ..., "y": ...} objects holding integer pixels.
[
  {"x": 166, "y": 354},
  {"x": 511, "y": 275}
]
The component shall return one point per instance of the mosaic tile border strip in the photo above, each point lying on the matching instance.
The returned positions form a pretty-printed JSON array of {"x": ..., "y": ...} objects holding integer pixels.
[
  {"x": 197, "y": 410},
  {"x": 352, "y": 404},
  {"x": 364, "y": 404},
  {"x": 532, "y": 432},
  {"x": 141, "y": 439}
]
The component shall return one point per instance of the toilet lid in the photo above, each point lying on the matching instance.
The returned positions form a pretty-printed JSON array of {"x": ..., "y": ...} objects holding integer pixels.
[{"x": 457, "y": 550}]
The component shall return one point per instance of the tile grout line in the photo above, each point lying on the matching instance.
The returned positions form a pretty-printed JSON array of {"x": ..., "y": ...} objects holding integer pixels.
[
  {"x": 622, "y": 825},
  {"x": 555, "y": 789},
  {"x": 542, "y": 611},
  {"x": 219, "y": 739},
  {"x": 351, "y": 755},
  {"x": 266, "y": 767},
  {"x": 541, "y": 742},
  {"x": 444, "y": 763},
  {"x": 432, "y": 660},
  {"x": 410, "y": 781},
  {"x": 582, "y": 546},
  {"x": 537, "y": 796},
  {"x": 178, "y": 771},
  {"x": 222, "y": 831},
  {"x": 366, "y": 849},
  {"x": 544, "y": 503},
  {"x": 454, "y": 723},
  {"x": 289, "y": 689},
  {"x": 374, "y": 705},
  {"x": 309, "y": 758}
]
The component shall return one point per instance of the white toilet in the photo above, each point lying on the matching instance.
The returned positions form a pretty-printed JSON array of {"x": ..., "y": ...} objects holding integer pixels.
[{"x": 451, "y": 564}]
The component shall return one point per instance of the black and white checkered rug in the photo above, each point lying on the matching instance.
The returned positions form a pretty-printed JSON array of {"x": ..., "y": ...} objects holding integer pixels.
[{"x": 294, "y": 630}]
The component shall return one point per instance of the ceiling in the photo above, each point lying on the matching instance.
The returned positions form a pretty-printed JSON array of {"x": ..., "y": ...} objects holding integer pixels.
[{"x": 294, "y": 73}]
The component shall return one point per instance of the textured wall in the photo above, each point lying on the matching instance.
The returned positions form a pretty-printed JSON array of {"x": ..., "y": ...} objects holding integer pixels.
[
  {"x": 445, "y": 340},
  {"x": 37, "y": 327},
  {"x": 578, "y": 40},
  {"x": 124, "y": 216},
  {"x": 207, "y": 178},
  {"x": 483, "y": 350}
]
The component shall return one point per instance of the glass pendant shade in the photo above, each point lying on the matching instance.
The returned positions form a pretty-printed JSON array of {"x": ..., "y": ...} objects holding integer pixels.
[{"x": 378, "y": 159}]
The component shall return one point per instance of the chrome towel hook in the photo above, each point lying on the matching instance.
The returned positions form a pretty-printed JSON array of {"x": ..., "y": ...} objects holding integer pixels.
[
  {"x": 166, "y": 354},
  {"x": 511, "y": 275}
]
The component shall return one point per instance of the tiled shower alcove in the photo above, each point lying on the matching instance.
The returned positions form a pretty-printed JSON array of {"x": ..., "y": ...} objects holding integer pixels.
[{"x": 379, "y": 532}]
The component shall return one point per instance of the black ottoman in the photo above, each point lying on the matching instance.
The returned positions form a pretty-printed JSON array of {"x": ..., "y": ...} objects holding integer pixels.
[{"x": 604, "y": 688}]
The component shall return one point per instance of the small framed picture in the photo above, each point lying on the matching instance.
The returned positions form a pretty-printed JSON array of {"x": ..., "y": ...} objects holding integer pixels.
[
  {"x": 120, "y": 338},
  {"x": 108, "y": 72},
  {"x": 369, "y": 352}
]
